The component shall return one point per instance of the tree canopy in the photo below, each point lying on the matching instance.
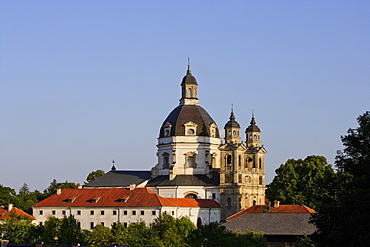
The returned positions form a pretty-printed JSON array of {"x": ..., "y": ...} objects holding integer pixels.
[
  {"x": 346, "y": 220},
  {"x": 302, "y": 182},
  {"x": 94, "y": 175}
]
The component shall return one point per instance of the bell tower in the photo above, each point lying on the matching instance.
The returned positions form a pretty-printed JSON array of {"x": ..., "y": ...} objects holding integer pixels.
[{"x": 242, "y": 169}]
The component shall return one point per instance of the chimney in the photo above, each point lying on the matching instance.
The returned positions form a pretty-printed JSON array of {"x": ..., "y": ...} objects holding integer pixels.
[
  {"x": 59, "y": 191},
  {"x": 10, "y": 207},
  {"x": 79, "y": 186},
  {"x": 276, "y": 204},
  {"x": 132, "y": 186}
]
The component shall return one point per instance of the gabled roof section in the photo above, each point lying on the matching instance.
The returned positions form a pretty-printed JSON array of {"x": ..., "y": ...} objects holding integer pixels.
[
  {"x": 5, "y": 214},
  {"x": 120, "y": 179},
  {"x": 297, "y": 209},
  {"x": 293, "y": 224},
  {"x": 112, "y": 197},
  {"x": 185, "y": 180}
]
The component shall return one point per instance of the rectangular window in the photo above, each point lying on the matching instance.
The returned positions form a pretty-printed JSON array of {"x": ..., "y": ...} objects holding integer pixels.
[
  {"x": 114, "y": 212},
  {"x": 91, "y": 225},
  {"x": 102, "y": 223},
  {"x": 154, "y": 212},
  {"x": 40, "y": 223},
  {"x": 125, "y": 212},
  {"x": 213, "y": 196},
  {"x": 64, "y": 212},
  {"x": 79, "y": 212},
  {"x": 91, "y": 212},
  {"x": 142, "y": 212},
  {"x": 260, "y": 178},
  {"x": 102, "y": 212},
  {"x": 125, "y": 224},
  {"x": 133, "y": 212},
  {"x": 173, "y": 213},
  {"x": 41, "y": 212},
  {"x": 53, "y": 212},
  {"x": 79, "y": 224}
]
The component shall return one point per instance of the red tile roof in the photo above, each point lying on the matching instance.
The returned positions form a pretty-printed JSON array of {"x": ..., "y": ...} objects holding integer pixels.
[
  {"x": 112, "y": 197},
  {"x": 280, "y": 209},
  {"x": 5, "y": 214}
]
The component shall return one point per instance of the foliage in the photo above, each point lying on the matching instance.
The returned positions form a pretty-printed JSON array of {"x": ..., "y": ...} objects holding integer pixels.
[
  {"x": 140, "y": 235},
  {"x": 48, "y": 232},
  {"x": 69, "y": 231},
  {"x": 119, "y": 231},
  {"x": 94, "y": 175},
  {"x": 172, "y": 231},
  {"x": 302, "y": 182},
  {"x": 215, "y": 234},
  {"x": 100, "y": 236},
  {"x": 54, "y": 185},
  {"x": 305, "y": 241},
  {"x": 7, "y": 195},
  {"x": 18, "y": 229},
  {"x": 25, "y": 199},
  {"x": 346, "y": 220}
]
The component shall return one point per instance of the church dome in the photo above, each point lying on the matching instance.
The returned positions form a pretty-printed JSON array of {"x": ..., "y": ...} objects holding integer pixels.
[
  {"x": 174, "y": 125},
  {"x": 232, "y": 123},
  {"x": 253, "y": 127}
]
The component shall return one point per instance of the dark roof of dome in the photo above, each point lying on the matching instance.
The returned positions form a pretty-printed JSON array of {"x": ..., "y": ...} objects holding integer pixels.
[
  {"x": 189, "y": 78},
  {"x": 189, "y": 113},
  {"x": 253, "y": 127},
  {"x": 232, "y": 123}
]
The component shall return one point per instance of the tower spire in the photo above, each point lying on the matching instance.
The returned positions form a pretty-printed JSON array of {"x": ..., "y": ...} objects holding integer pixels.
[{"x": 189, "y": 71}]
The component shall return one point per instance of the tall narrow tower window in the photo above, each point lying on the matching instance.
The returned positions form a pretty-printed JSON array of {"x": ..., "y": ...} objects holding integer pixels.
[
  {"x": 189, "y": 93},
  {"x": 228, "y": 159},
  {"x": 166, "y": 162}
]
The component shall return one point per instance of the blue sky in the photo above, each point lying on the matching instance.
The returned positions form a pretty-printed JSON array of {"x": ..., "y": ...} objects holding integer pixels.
[{"x": 85, "y": 82}]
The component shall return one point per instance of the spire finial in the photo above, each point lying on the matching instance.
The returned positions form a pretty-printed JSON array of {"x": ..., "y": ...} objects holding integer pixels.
[
  {"x": 189, "y": 71},
  {"x": 113, "y": 167}
]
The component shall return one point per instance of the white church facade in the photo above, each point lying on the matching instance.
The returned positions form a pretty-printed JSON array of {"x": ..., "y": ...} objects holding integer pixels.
[{"x": 195, "y": 163}]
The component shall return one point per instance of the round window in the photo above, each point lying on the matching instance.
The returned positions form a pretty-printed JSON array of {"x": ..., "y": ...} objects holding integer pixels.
[{"x": 191, "y": 132}]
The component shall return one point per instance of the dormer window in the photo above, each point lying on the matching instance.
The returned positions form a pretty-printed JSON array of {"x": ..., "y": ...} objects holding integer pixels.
[
  {"x": 167, "y": 129},
  {"x": 190, "y": 129},
  {"x": 123, "y": 199},
  {"x": 95, "y": 199},
  {"x": 70, "y": 199}
]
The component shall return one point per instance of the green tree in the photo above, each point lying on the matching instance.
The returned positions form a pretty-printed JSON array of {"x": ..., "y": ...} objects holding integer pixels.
[
  {"x": 172, "y": 231},
  {"x": 94, "y": 175},
  {"x": 210, "y": 235},
  {"x": 7, "y": 195},
  {"x": 302, "y": 182},
  {"x": 346, "y": 220},
  {"x": 18, "y": 229},
  {"x": 140, "y": 235},
  {"x": 69, "y": 231},
  {"x": 25, "y": 199},
  {"x": 54, "y": 185},
  {"x": 49, "y": 231},
  {"x": 119, "y": 232},
  {"x": 99, "y": 236}
]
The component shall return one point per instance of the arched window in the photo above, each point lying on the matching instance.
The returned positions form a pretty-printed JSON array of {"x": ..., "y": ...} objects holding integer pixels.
[
  {"x": 189, "y": 93},
  {"x": 191, "y": 195},
  {"x": 228, "y": 159},
  {"x": 228, "y": 203},
  {"x": 191, "y": 132},
  {"x": 191, "y": 161},
  {"x": 166, "y": 161}
]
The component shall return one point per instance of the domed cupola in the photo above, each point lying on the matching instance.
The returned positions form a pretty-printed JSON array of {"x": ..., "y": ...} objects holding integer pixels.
[
  {"x": 189, "y": 118},
  {"x": 232, "y": 129},
  {"x": 253, "y": 133}
]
